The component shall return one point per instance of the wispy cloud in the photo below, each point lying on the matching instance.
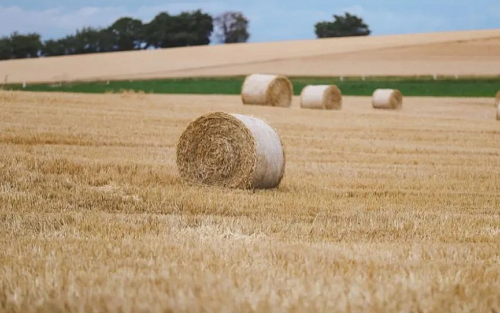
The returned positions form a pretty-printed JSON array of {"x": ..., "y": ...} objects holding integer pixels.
[{"x": 55, "y": 22}]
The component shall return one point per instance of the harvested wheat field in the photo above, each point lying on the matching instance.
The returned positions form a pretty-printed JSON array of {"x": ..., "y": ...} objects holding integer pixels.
[
  {"x": 474, "y": 53},
  {"x": 379, "y": 211}
]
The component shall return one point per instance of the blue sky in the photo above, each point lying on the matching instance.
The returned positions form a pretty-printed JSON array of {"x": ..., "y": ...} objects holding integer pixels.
[{"x": 269, "y": 20}]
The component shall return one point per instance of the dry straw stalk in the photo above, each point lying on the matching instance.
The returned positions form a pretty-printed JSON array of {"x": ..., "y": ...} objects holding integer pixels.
[
  {"x": 268, "y": 90},
  {"x": 231, "y": 150},
  {"x": 321, "y": 97},
  {"x": 390, "y": 99}
]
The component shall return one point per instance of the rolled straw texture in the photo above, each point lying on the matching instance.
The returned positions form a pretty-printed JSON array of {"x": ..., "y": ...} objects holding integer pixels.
[
  {"x": 269, "y": 90},
  {"x": 231, "y": 150},
  {"x": 390, "y": 99},
  {"x": 321, "y": 97}
]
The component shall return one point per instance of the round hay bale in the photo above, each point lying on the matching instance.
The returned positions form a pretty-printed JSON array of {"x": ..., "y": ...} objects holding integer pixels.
[
  {"x": 321, "y": 97},
  {"x": 231, "y": 150},
  {"x": 498, "y": 111},
  {"x": 390, "y": 99},
  {"x": 497, "y": 98},
  {"x": 269, "y": 90}
]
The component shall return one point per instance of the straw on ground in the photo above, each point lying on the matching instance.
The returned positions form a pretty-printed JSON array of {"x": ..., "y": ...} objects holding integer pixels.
[{"x": 379, "y": 211}]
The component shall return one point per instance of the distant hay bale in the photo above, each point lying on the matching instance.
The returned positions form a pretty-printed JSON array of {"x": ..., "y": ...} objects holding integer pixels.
[
  {"x": 269, "y": 90},
  {"x": 321, "y": 97},
  {"x": 390, "y": 99},
  {"x": 231, "y": 150}
]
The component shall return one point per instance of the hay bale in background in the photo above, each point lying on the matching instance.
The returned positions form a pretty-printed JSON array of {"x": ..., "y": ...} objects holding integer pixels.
[
  {"x": 269, "y": 90},
  {"x": 321, "y": 97},
  {"x": 391, "y": 99},
  {"x": 231, "y": 150}
]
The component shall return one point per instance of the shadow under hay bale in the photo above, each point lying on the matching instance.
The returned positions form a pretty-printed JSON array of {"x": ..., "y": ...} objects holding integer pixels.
[
  {"x": 321, "y": 97},
  {"x": 268, "y": 90},
  {"x": 231, "y": 150},
  {"x": 389, "y": 99}
]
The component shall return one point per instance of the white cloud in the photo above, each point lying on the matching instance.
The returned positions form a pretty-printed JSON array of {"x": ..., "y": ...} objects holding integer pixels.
[{"x": 55, "y": 22}]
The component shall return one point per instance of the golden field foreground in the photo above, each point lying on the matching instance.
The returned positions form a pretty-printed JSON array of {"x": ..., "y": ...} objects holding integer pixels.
[{"x": 379, "y": 211}]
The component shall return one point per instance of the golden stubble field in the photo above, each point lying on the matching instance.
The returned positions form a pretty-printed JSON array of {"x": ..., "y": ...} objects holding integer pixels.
[{"x": 378, "y": 212}]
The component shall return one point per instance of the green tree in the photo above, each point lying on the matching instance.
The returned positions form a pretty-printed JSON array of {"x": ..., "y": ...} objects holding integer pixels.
[
  {"x": 106, "y": 41},
  {"x": 54, "y": 47},
  {"x": 343, "y": 26},
  {"x": 25, "y": 46},
  {"x": 192, "y": 29},
  {"x": 69, "y": 44},
  {"x": 156, "y": 32},
  {"x": 127, "y": 34},
  {"x": 185, "y": 29},
  {"x": 6, "y": 51},
  {"x": 89, "y": 40},
  {"x": 86, "y": 40},
  {"x": 232, "y": 27},
  {"x": 19, "y": 46}
]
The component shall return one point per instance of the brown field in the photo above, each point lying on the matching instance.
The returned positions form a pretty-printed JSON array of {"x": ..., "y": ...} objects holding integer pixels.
[
  {"x": 469, "y": 53},
  {"x": 379, "y": 211}
]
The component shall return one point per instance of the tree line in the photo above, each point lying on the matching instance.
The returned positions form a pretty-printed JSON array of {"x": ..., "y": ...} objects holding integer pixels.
[{"x": 163, "y": 31}]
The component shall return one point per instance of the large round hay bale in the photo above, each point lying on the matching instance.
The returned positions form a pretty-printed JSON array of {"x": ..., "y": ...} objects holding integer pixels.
[
  {"x": 390, "y": 99},
  {"x": 321, "y": 97},
  {"x": 269, "y": 90},
  {"x": 231, "y": 150}
]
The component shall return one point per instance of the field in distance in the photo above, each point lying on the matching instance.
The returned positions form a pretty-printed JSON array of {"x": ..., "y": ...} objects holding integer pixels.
[
  {"x": 379, "y": 211},
  {"x": 466, "y": 53}
]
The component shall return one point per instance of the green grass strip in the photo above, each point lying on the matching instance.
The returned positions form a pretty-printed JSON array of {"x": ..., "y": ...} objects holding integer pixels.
[{"x": 353, "y": 86}]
